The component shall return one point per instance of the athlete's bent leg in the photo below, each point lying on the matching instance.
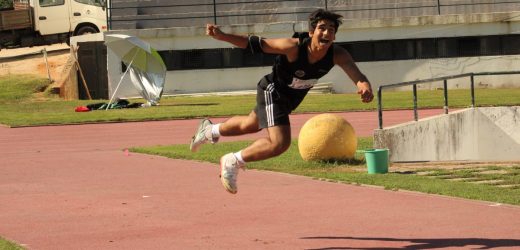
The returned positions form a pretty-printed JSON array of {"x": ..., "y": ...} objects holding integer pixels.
[
  {"x": 240, "y": 125},
  {"x": 277, "y": 142},
  {"x": 237, "y": 125}
]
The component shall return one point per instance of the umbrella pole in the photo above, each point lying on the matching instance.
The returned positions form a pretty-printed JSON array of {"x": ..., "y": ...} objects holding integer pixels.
[{"x": 121, "y": 80}]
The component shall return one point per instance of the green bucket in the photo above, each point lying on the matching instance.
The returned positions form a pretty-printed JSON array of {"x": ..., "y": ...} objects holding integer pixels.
[{"x": 377, "y": 161}]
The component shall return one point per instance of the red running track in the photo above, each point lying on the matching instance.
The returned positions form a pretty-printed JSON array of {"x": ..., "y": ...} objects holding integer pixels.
[{"x": 73, "y": 187}]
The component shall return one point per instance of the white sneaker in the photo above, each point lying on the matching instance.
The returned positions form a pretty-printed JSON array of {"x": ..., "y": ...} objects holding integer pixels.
[
  {"x": 229, "y": 166},
  {"x": 202, "y": 135}
]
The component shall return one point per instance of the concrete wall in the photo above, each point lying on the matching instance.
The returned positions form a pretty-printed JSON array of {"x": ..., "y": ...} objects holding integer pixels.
[
  {"x": 387, "y": 72},
  {"x": 186, "y": 13},
  {"x": 192, "y": 81},
  {"x": 480, "y": 134}
]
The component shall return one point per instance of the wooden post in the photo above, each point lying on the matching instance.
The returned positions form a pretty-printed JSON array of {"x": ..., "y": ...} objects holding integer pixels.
[{"x": 44, "y": 51}]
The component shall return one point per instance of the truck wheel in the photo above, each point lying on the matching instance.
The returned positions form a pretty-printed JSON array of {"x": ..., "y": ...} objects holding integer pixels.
[
  {"x": 27, "y": 41},
  {"x": 86, "y": 30}
]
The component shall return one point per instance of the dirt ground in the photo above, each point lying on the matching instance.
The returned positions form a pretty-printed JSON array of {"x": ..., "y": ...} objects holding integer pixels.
[{"x": 34, "y": 64}]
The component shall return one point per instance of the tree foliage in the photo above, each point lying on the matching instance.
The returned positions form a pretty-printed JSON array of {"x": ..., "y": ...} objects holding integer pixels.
[{"x": 6, "y": 4}]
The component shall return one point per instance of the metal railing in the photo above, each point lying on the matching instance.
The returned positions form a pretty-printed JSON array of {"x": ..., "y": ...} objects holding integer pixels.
[
  {"x": 215, "y": 9},
  {"x": 445, "y": 89}
]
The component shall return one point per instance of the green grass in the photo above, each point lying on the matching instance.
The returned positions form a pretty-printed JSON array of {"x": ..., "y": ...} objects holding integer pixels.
[
  {"x": 437, "y": 180},
  {"x": 17, "y": 89},
  {"x": 6, "y": 245},
  {"x": 23, "y": 104}
]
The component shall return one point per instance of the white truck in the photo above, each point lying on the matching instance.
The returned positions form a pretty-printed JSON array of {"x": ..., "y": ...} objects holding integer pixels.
[{"x": 37, "y": 22}]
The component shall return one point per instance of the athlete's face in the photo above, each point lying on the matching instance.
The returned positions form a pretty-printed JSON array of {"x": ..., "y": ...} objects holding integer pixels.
[{"x": 324, "y": 34}]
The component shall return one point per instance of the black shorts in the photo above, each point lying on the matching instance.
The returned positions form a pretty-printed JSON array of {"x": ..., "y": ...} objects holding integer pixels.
[{"x": 272, "y": 106}]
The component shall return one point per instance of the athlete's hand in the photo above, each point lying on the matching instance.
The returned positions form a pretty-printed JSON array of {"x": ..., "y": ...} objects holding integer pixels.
[
  {"x": 213, "y": 31},
  {"x": 365, "y": 90}
]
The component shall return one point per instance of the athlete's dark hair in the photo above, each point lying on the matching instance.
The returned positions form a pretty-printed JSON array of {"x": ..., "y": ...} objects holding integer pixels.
[{"x": 321, "y": 14}]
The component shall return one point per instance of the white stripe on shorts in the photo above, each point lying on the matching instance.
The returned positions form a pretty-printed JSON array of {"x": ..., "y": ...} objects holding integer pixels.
[{"x": 268, "y": 95}]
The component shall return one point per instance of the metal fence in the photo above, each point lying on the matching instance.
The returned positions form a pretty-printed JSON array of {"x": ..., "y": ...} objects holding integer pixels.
[
  {"x": 445, "y": 90},
  {"x": 132, "y": 14}
]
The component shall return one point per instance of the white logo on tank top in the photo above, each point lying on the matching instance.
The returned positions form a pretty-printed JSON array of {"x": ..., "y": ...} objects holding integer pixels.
[{"x": 303, "y": 84}]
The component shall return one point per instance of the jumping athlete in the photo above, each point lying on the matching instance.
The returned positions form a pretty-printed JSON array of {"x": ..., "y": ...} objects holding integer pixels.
[{"x": 298, "y": 66}]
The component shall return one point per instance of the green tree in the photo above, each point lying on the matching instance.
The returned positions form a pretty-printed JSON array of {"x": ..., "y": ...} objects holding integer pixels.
[{"x": 6, "y": 4}]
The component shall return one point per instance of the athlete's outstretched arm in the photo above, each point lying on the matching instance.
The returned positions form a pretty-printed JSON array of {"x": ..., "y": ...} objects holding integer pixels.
[
  {"x": 344, "y": 60},
  {"x": 285, "y": 46}
]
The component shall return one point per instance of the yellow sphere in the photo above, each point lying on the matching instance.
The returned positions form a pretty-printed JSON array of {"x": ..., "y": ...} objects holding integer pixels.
[{"x": 327, "y": 137}]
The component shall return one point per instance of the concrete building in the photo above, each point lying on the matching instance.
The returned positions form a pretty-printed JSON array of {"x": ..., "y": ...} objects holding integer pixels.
[{"x": 388, "y": 50}]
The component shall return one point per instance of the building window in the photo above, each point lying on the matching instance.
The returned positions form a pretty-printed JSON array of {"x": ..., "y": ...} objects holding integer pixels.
[
  {"x": 510, "y": 44},
  {"x": 367, "y": 51},
  {"x": 490, "y": 45},
  {"x": 360, "y": 51},
  {"x": 469, "y": 46},
  {"x": 403, "y": 49},
  {"x": 383, "y": 51},
  {"x": 426, "y": 48},
  {"x": 447, "y": 47},
  {"x": 232, "y": 58}
]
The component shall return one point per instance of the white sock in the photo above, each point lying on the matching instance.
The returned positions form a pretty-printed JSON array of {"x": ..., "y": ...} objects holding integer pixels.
[
  {"x": 215, "y": 130},
  {"x": 238, "y": 155}
]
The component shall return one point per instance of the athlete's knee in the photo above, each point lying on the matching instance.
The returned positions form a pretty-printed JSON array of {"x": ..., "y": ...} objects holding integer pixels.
[
  {"x": 279, "y": 147},
  {"x": 249, "y": 125}
]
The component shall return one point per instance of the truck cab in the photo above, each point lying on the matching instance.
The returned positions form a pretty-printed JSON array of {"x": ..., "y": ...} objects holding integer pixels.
[
  {"x": 75, "y": 17},
  {"x": 38, "y": 22}
]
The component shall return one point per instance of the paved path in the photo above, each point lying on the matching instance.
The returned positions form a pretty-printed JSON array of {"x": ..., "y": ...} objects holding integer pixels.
[{"x": 73, "y": 187}]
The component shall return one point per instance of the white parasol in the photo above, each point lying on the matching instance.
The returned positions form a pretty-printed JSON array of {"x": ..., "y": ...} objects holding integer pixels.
[{"x": 146, "y": 67}]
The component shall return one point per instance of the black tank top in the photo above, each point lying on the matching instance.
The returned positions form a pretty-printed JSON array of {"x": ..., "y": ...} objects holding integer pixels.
[{"x": 300, "y": 76}]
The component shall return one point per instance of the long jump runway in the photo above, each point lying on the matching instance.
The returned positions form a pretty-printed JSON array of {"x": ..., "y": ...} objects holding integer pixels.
[{"x": 74, "y": 187}]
